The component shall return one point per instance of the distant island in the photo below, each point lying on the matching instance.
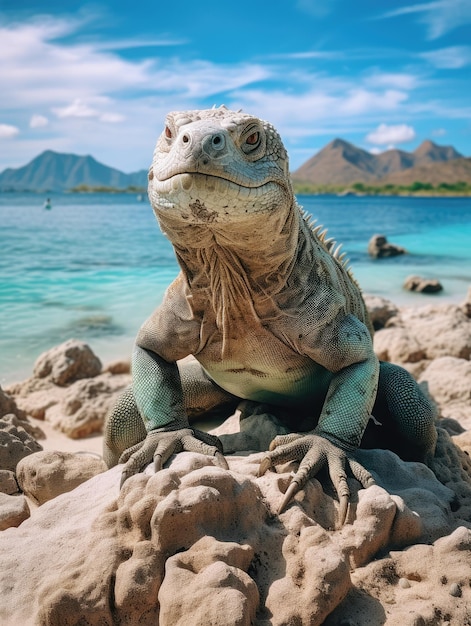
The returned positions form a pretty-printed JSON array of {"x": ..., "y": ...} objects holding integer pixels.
[
  {"x": 105, "y": 189},
  {"x": 339, "y": 168},
  {"x": 342, "y": 168},
  {"x": 57, "y": 172}
]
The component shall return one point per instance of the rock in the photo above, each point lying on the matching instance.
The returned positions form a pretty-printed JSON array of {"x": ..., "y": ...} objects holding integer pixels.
[
  {"x": 422, "y": 285},
  {"x": 13, "y": 511},
  {"x": 466, "y": 304},
  {"x": 79, "y": 409},
  {"x": 33, "y": 431},
  {"x": 380, "y": 310},
  {"x": 68, "y": 362},
  {"x": 45, "y": 475},
  {"x": 433, "y": 332},
  {"x": 118, "y": 367},
  {"x": 15, "y": 443},
  {"x": 214, "y": 535},
  {"x": 438, "y": 590},
  {"x": 397, "y": 345},
  {"x": 8, "y": 406},
  {"x": 379, "y": 247},
  {"x": 448, "y": 380},
  {"x": 8, "y": 482},
  {"x": 82, "y": 408}
]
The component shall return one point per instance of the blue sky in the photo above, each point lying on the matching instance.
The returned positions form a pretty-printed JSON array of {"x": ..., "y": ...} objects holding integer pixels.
[{"x": 98, "y": 78}]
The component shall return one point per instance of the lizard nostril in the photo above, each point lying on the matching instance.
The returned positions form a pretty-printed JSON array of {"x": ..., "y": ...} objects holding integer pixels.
[{"x": 218, "y": 142}]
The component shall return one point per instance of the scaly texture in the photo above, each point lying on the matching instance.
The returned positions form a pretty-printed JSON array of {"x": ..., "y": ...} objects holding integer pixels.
[{"x": 267, "y": 306}]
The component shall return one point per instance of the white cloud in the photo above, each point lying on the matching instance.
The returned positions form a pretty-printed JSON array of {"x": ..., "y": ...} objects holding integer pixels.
[
  {"x": 78, "y": 108},
  {"x": 396, "y": 80},
  {"x": 440, "y": 17},
  {"x": 38, "y": 121},
  {"x": 329, "y": 101},
  {"x": 112, "y": 118},
  {"x": 385, "y": 135},
  {"x": 7, "y": 131},
  {"x": 452, "y": 58}
]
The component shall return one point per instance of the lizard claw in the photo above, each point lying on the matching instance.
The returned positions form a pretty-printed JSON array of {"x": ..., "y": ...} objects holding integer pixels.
[
  {"x": 343, "y": 509},
  {"x": 289, "y": 495},
  {"x": 160, "y": 445},
  {"x": 220, "y": 460},
  {"x": 315, "y": 452},
  {"x": 265, "y": 465}
]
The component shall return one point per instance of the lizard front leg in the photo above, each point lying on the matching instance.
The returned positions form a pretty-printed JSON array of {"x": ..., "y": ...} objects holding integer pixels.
[
  {"x": 346, "y": 350},
  {"x": 158, "y": 394}
]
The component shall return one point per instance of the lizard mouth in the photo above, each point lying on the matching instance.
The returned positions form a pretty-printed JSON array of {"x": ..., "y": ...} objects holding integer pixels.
[{"x": 186, "y": 180}]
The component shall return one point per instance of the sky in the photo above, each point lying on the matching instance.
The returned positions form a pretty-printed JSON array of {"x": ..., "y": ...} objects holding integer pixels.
[{"x": 98, "y": 78}]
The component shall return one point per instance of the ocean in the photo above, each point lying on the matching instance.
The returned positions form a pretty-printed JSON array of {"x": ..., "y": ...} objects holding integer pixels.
[{"x": 94, "y": 266}]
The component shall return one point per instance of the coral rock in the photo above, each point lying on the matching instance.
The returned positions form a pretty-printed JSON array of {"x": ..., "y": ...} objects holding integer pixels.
[
  {"x": 15, "y": 443},
  {"x": 13, "y": 510},
  {"x": 70, "y": 361},
  {"x": 45, "y": 475}
]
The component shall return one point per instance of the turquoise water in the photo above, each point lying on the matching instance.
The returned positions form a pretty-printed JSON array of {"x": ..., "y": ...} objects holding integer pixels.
[{"x": 95, "y": 266}]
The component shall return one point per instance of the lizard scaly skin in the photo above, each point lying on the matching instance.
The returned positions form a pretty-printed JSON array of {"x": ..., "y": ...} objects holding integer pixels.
[{"x": 266, "y": 306}]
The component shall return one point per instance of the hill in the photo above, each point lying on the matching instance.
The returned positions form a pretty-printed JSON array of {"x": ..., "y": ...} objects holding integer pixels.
[
  {"x": 455, "y": 171},
  {"x": 342, "y": 163},
  {"x": 54, "y": 171}
]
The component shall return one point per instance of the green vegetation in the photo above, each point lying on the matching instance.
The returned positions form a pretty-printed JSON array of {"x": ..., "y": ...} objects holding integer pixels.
[
  {"x": 102, "y": 189},
  {"x": 417, "y": 188}
]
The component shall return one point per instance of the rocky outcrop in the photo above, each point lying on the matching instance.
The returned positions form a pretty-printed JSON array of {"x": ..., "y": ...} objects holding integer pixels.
[
  {"x": 425, "y": 333},
  {"x": 379, "y": 248},
  {"x": 380, "y": 310},
  {"x": 196, "y": 542},
  {"x": 45, "y": 475},
  {"x": 449, "y": 382},
  {"x": 69, "y": 389},
  {"x": 15, "y": 443},
  {"x": 67, "y": 363}
]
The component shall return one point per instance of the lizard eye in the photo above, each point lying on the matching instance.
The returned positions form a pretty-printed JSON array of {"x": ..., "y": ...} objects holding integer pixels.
[
  {"x": 253, "y": 139},
  {"x": 168, "y": 132}
]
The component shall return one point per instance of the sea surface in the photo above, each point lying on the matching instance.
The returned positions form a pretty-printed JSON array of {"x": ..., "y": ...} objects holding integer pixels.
[{"x": 94, "y": 266}]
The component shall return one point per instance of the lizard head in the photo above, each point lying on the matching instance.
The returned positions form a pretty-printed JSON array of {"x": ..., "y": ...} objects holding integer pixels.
[{"x": 218, "y": 166}]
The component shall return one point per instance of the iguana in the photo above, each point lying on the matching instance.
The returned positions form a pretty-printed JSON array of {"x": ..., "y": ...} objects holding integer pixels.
[{"x": 269, "y": 309}]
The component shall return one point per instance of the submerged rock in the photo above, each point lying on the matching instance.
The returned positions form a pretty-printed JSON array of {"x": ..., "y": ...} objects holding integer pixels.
[
  {"x": 422, "y": 285},
  {"x": 379, "y": 247}
]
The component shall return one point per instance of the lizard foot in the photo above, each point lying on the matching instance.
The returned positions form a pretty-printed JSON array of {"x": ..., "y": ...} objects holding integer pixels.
[
  {"x": 315, "y": 452},
  {"x": 159, "y": 445}
]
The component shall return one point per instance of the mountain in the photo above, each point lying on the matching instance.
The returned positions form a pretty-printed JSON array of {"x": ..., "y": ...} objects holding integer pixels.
[
  {"x": 453, "y": 171},
  {"x": 53, "y": 171},
  {"x": 342, "y": 163},
  {"x": 338, "y": 163}
]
